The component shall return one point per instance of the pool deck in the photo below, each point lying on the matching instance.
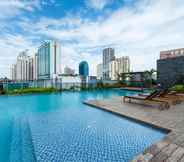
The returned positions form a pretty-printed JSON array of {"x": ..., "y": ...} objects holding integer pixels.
[{"x": 169, "y": 149}]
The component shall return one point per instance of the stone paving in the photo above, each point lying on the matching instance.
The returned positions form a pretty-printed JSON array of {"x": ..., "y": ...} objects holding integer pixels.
[{"x": 169, "y": 149}]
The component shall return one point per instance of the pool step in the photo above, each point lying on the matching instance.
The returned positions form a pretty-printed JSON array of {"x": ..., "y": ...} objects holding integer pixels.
[{"x": 22, "y": 149}]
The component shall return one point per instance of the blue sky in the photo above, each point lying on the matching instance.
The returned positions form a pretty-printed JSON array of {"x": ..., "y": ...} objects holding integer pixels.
[{"x": 137, "y": 28}]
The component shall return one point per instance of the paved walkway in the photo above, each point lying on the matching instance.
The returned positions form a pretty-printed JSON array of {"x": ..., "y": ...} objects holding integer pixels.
[{"x": 169, "y": 149}]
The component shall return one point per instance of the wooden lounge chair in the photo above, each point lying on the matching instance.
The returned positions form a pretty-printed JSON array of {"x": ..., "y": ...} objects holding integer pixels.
[
  {"x": 149, "y": 99},
  {"x": 166, "y": 95}
]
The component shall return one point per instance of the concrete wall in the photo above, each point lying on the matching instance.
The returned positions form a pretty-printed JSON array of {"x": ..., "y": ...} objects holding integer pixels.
[{"x": 169, "y": 70}]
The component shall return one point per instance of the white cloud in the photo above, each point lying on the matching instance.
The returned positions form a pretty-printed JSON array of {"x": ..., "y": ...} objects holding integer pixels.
[
  {"x": 139, "y": 32},
  {"x": 12, "y": 8}
]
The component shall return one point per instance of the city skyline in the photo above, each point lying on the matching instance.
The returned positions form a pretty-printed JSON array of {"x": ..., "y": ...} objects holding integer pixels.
[{"x": 138, "y": 29}]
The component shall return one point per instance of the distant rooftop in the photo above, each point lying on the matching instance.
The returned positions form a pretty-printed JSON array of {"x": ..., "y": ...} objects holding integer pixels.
[{"x": 172, "y": 53}]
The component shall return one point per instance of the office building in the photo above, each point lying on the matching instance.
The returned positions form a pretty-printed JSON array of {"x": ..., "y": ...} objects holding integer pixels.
[
  {"x": 118, "y": 66},
  {"x": 69, "y": 71},
  {"x": 108, "y": 56},
  {"x": 172, "y": 53},
  {"x": 83, "y": 69},
  {"x": 49, "y": 60},
  {"x": 170, "y": 70},
  {"x": 99, "y": 71}
]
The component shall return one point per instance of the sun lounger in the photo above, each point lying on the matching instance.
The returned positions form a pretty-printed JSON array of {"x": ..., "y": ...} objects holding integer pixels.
[
  {"x": 150, "y": 99},
  {"x": 168, "y": 96}
]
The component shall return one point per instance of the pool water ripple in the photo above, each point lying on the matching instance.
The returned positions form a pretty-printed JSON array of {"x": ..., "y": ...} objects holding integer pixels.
[{"x": 58, "y": 127}]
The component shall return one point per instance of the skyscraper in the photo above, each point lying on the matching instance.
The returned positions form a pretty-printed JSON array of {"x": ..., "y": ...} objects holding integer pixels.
[
  {"x": 22, "y": 67},
  {"x": 31, "y": 68},
  {"x": 13, "y": 72},
  {"x": 35, "y": 65},
  {"x": 108, "y": 56},
  {"x": 83, "y": 69},
  {"x": 118, "y": 66},
  {"x": 99, "y": 71},
  {"x": 49, "y": 60}
]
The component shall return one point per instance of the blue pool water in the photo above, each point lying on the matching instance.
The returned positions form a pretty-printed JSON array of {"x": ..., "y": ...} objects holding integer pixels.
[{"x": 59, "y": 128}]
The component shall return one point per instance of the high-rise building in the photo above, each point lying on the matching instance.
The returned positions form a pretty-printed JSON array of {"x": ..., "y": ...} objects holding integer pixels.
[
  {"x": 49, "y": 60},
  {"x": 13, "y": 72},
  {"x": 69, "y": 71},
  {"x": 83, "y": 69},
  {"x": 99, "y": 71},
  {"x": 118, "y": 66},
  {"x": 31, "y": 68},
  {"x": 35, "y": 69},
  {"x": 108, "y": 56},
  {"x": 22, "y": 67},
  {"x": 172, "y": 53}
]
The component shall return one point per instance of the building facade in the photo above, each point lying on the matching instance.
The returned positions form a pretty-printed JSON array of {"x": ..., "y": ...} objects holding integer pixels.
[
  {"x": 118, "y": 66},
  {"x": 69, "y": 71},
  {"x": 31, "y": 68},
  {"x": 99, "y": 71},
  {"x": 35, "y": 65},
  {"x": 170, "y": 70},
  {"x": 13, "y": 72},
  {"x": 83, "y": 69},
  {"x": 49, "y": 60},
  {"x": 172, "y": 53},
  {"x": 108, "y": 56},
  {"x": 22, "y": 67}
]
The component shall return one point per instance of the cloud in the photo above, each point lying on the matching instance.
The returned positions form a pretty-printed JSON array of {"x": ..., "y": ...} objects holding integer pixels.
[
  {"x": 13, "y": 8},
  {"x": 98, "y": 4},
  {"x": 139, "y": 31}
]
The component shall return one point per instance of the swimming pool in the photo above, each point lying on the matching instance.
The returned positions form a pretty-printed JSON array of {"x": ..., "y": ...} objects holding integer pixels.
[{"x": 59, "y": 128}]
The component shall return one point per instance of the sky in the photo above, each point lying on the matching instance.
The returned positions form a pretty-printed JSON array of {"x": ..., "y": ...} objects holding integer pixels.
[{"x": 139, "y": 29}]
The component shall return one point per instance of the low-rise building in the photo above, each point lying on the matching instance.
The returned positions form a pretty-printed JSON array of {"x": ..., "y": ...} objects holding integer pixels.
[{"x": 69, "y": 71}]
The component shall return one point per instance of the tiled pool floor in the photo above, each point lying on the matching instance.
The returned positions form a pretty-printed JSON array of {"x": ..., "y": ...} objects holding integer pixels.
[
  {"x": 59, "y": 127},
  {"x": 169, "y": 149}
]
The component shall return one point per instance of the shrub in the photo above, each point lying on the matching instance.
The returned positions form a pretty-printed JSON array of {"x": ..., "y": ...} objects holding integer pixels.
[
  {"x": 178, "y": 88},
  {"x": 32, "y": 90}
]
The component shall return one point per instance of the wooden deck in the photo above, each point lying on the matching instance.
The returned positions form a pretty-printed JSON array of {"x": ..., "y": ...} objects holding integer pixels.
[{"x": 169, "y": 149}]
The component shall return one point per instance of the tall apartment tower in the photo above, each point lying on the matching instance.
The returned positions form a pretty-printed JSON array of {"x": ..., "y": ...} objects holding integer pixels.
[
  {"x": 13, "y": 72},
  {"x": 31, "y": 68},
  {"x": 118, "y": 66},
  {"x": 35, "y": 65},
  {"x": 99, "y": 71},
  {"x": 49, "y": 60},
  {"x": 108, "y": 56},
  {"x": 22, "y": 67}
]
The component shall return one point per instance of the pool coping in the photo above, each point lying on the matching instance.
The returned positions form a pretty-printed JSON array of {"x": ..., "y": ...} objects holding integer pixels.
[{"x": 158, "y": 152}]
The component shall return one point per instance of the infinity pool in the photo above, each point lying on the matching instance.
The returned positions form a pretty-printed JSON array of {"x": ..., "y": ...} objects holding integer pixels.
[{"x": 59, "y": 128}]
